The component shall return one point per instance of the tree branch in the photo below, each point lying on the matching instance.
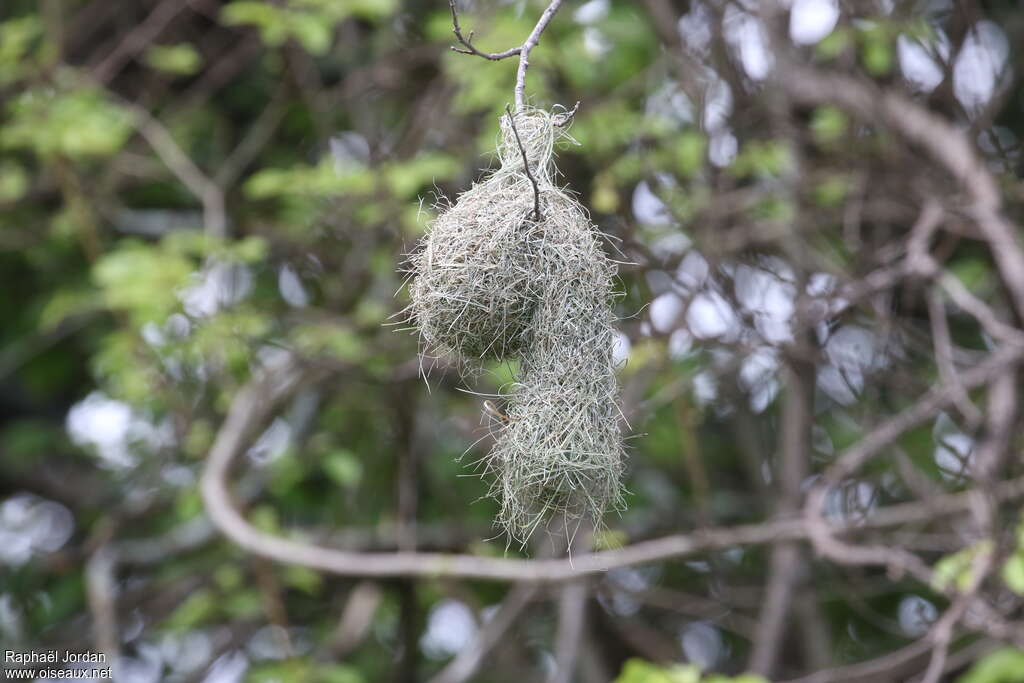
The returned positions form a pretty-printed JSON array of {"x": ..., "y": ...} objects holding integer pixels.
[
  {"x": 524, "y": 53},
  {"x": 470, "y": 49},
  {"x": 183, "y": 168},
  {"x": 947, "y": 145},
  {"x": 523, "y": 50},
  {"x": 469, "y": 659},
  {"x": 256, "y": 402},
  {"x": 572, "y": 607},
  {"x": 794, "y": 447}
]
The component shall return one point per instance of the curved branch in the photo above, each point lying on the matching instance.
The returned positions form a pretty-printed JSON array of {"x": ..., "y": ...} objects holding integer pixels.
[{"x": 256, "y": 402}]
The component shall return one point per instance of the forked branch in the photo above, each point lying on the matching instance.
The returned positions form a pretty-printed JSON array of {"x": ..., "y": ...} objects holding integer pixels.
[
  {"x": 467, "y": 41},
  {"x": 523, "y": 50}
]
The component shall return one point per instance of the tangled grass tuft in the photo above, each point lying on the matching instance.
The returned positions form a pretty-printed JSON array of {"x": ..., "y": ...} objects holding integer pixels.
[{"x": 492, "y": 281}]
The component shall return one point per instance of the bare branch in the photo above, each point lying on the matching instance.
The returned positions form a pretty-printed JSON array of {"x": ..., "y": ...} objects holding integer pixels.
[
  {"x": 468, "y": 660},
  {"x": 138, "y": 39},
  {"x": 257, "y": 401},
  {"x": 567, "y": 116},
  {"x": 947, "y": 144},
  {"x": 882, "y": 668},
  {"x": 183, "y": 168},
  {"x": 572, "y": 607},
  {"x": 794, "y": 454},
  {"x": 524, "y": 53},
  {"x": 944, "y": 357},
  {"x": 523, "y": 50},
  {"x": 356, "y": 619},
  {"x": 101, "y": 587},
  {"x": 254, "y": 140},
  {"x": 470, "y": 49},
  {"x": 942, "y": 633}
]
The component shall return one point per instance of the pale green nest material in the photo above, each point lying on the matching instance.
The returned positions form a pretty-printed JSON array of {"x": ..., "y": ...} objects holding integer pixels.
[{"x": 492, "y": 282}]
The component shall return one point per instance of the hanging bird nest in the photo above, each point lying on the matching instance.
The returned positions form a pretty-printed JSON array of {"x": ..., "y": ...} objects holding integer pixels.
[{"x": 514, "y": 270}]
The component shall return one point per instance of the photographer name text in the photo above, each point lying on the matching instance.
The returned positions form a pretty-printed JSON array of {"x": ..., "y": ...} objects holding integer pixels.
[{"x": 54, "y": 657}]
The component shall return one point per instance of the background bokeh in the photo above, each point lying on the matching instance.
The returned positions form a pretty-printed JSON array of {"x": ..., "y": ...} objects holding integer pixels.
[{"x": 192, "y": 191}]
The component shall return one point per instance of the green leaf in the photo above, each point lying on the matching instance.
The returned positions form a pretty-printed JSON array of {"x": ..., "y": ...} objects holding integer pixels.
[
  {"x": 604, "y": 197},
  {"x": 180, "y": 59},
  {"x": 761, "y": 158},
  {"x": 829, "y": 124},
  {"x": 405, "y": 179},
  {"x": 228, "y": 577},
  {"x": 323, "y": 180},
  {"x": 197, "y": 609},
  {"x": 974, "y": 273},
  {"x": 609, "y": 539},
  {"x": 344, "y": 467},
  {"x": 640, "y": 671},
  {"x": 1001, "y": 666},
  {"x": 834, "y": 44},
  {"x": 690, "y": 152},
  {"x": 14, "y": 182},
  {"x": 67, "y": 303},
  {"x": 370, "y": 9},
  {"x": 271, "y": 21},
  {"x": 303, "y": 579},
  {"x": 878, "y": 56},
  {"x": 956, "y": 570},
  {"x": 311, "y": 31},
  {"x": 325, "y": 338},
  {"x": 832, "y": 191},
  {"x": 17, "y": 39},
  {"x": 1013, "y": 573},
  {"x": 143, "y": 280},
  {"x": 877, "y": 47},
  {"x": 79, "y": 122}
]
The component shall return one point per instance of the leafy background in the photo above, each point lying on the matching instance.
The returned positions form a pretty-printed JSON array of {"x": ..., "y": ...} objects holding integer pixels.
[{"x": 190, "y": 189}]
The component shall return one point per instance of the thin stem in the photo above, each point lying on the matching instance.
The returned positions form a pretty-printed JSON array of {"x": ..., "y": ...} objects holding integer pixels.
[
  {"x": 524, "y": 52},
  {"x": 467, "y": 42},
  {"x": 526, "y": 166}
]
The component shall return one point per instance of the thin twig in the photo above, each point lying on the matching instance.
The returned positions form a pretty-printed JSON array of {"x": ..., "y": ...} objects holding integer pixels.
[
  {"x": 101, "y": 587},
  {"x": 873, "y": 669},
  {"x": 356, "y": 619},
  {"x": 469, "y": 659},
  {"x": 947, "y": 145},
  {"x": 786, "y": 559},
  {"x": 470, "y": 49},
  {"x": 526, "y": 166},
  {"x": 138, "y": 39},
  {"x": 944, "y": 357},
  {"x": 255, "y": 139},
  {"x": 567, "y": 116},
  {"x": 572, "y": 607},
  {"x": 184, "y": 169},
  {"x": 523, "y": 50}
]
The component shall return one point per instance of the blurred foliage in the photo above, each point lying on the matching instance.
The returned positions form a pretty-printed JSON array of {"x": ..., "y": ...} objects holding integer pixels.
[
  {"x": 328, "y": 132},
  {"x": 639, "y": 671}
]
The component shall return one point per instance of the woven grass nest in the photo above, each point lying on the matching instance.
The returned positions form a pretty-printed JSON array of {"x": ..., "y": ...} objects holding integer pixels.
[{"x": 492, "y": 280}]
